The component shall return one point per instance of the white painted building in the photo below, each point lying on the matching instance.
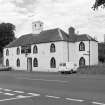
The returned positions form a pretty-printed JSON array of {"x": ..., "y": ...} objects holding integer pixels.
[{"x": 44, "y": 50}]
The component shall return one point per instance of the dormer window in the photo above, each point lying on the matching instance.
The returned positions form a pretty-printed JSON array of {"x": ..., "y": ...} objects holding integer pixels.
[{"x": 81, "y": 46}]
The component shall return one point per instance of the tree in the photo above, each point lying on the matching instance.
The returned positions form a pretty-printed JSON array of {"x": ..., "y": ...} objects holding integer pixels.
[
  {"x": 6, "y": 34},
  {"x": 98, "y": 3}
]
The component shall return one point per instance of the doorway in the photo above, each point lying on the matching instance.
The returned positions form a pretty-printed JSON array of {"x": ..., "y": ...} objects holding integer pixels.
[{"x": 29, "y": 64}]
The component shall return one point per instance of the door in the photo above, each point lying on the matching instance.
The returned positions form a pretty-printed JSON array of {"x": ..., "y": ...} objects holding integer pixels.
[{"x": 29, "y": 64}]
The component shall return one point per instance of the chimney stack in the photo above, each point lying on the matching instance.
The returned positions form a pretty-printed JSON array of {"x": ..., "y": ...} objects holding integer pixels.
[
  {"x": 37, "y": 27},
  {"x": 71, "y": 30}
]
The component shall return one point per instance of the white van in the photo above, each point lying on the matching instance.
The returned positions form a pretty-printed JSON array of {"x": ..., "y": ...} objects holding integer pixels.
[{"x": 68, "y": 67}]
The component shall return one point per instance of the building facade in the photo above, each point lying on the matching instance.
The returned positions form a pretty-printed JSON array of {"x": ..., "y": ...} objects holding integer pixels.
[{"x": 44, "y": 50}]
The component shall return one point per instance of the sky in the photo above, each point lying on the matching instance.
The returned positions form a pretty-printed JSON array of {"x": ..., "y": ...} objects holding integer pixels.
[{"x": 54, "y": 14}]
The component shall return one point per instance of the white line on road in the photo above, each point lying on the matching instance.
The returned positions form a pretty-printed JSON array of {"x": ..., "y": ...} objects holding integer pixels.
[
  {"x": 1, "y": 88},
  {"x": 98, "y": 103},
  {"x": 52, "y": 97},
  {"x": 21, "y": 96},
  {"x": 18, "y": 97},
  {"x": 44, "y": 80},
  {"x": 34, "y": 94},
  {"x": 9, "y": 94},
  {"x": 71, "y": 99},
  {"x": 18, "y": 91},
  {"x": 7, "y": 90}
]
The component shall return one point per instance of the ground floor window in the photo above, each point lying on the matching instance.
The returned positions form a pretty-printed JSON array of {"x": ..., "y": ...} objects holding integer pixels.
[
  {"x": 53, "y": 63},
  {"x": 82, "y": 62},
  {"x": 35, "y": 62},
  {"x": 18, "y": 62},
  {"x": 7, "y": 62}
]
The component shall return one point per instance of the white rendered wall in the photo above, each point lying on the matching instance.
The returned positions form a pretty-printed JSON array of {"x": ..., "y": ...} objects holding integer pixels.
[
  {"x": 61, "y": 55},
  {"x": 85, "y": 54},
  {"x": 43, "y": 56},
  {"x": 94, "y": 53}
]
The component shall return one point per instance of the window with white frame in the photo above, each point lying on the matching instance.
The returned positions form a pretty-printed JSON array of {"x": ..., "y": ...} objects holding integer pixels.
[
  {"x": 7, "y": 52},
  {"x": 52, "y": 48},
  {"x": 35, "y": 49},
  {"x": 18, "y": 62},
  {"x": 35, "y": 62},
  {"x": 18, "y": 51},
  {"x": 81, "y": 46},
  {"x": 7, "y": 62}
]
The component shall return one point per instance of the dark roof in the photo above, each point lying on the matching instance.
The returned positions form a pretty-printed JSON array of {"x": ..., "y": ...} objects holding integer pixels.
[
  {"x": 44, "y": 37},
  {"x": 48, "y": 36},
  {"x": 81, "y": 37}
]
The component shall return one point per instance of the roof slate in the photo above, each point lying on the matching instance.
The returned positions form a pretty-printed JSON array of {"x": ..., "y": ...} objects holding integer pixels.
[{"x": 48, "y": 36}]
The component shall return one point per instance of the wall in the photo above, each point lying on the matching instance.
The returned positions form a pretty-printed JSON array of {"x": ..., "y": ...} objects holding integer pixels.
[
  {"x": 94, "y": 53},
  {"x": 44, "y": 56},
  {"x": 61, "y": 55},
  {"x": 85, "y": 54}
]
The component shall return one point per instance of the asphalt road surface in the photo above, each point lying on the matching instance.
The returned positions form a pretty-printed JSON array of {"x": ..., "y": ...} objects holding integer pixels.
[{"x": 24, "y": 88}]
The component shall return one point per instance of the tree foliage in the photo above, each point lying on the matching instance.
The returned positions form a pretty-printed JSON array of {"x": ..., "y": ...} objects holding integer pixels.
[
  {"x": 98, "y": 3},
  {"x": 6, "y": 34}
]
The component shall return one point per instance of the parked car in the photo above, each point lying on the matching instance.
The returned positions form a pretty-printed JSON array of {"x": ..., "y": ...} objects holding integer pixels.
[{"x": 68, "y": 67}]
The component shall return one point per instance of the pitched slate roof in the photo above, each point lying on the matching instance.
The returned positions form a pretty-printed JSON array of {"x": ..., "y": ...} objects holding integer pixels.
[
  {"x": 81, "y": 37},
  {"x": 44, "y": 37},
  {"x": 48, "y": 36}
]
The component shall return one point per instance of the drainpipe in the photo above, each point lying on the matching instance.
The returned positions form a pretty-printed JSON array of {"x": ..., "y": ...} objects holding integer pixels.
[
  {"x": 68, "y": 50},
  {"x": 89, "y": 53}
]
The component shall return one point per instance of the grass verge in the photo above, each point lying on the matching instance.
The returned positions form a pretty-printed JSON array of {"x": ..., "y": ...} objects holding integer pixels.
[{"x": 97, "y": 69}]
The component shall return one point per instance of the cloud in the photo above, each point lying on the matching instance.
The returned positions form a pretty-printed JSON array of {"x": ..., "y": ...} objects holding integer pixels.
[{"x": 54, "y": 13}]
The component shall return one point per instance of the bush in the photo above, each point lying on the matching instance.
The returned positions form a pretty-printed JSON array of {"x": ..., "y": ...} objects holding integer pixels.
[{"x": 5, "y": 69}]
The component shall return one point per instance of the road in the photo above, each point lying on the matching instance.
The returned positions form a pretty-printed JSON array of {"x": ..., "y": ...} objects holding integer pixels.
[{"x": 24, "y": 88}]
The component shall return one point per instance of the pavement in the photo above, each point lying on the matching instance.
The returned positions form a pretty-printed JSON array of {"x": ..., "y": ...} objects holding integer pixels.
[{"x": 37, "y": 88}]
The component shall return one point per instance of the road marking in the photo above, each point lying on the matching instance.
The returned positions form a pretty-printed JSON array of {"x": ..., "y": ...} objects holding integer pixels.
[
  {"x": 1, "y": 88},
  {"x": 21, "y": 96},
  {"x": 18, "y": 91},
  {"x": 9, "y": 94},
  {"x": 71, "y": 99},
  {"x": 45, "y": 80},
  {"x": 18, "y": 97},
  {"x": 1, "y": 92},
  {"x": 98, "y": 103},
  {"x": 7, "y": 90},
  {"x": 34, "y": 94},
  {"x": 52, "y": 97}
]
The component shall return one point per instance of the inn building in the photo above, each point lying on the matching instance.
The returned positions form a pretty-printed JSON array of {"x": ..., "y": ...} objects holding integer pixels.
[{"x": 44, "y": 50}]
